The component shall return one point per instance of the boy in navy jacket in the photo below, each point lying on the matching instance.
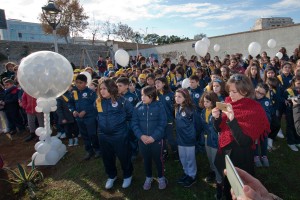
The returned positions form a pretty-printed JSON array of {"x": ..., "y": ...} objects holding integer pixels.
[{"x": 81, "y": 104}]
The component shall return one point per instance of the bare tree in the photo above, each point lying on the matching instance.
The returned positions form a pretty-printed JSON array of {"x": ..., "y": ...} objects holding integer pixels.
[
  {"x": 108, "y": 29},
  {"x": 124, "y": 32},
  {"x": 95, "y": 29}
]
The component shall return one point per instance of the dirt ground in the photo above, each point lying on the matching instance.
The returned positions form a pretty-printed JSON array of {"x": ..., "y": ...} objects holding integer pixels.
[{"x": 15, "y": 151}]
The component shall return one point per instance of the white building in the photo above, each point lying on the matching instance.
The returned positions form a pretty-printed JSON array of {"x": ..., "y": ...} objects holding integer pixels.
[
  {"x": 273, "y": 22},
  {"x": 18, "y": 30}
]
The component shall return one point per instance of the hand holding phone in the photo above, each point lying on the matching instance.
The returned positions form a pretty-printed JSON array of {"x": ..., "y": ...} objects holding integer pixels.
[
  {"x": 234, "y": 178},
  {"x": 223, "y": 106}
]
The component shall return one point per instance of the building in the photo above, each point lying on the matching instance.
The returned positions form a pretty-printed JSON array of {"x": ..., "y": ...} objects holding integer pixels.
[
  {"x": 273, "y": 22},
  {"x": 18, "y": 30}
]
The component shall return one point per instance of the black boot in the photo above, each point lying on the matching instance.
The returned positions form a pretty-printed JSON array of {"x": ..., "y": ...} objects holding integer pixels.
[
  {"x": 30, "y": 137},
  {"x": 219, "y": 191}
]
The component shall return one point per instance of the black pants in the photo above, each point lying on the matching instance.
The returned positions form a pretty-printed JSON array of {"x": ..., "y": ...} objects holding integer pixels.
[
  {"x": 15, "y": 120},
  {"x": 275, "y": 127},
  {"x": 152, "y": 151},
  {"x": 71, "y": 130},
  {"x": 113, "y": 146}
]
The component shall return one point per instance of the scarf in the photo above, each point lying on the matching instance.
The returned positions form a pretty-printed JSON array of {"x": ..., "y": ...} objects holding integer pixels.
[{"x": 250, "y": 116}]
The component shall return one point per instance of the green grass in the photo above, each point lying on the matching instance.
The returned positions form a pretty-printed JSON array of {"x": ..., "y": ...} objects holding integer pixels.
[{"x": 71, "y": 179}]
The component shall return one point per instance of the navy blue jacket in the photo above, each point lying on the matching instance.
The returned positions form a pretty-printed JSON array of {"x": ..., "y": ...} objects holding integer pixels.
[
  {"x": 132, "y": 98},
  {"x": 62, "y": 110},
  {"x": 11, "y": 99},
  {"x": 167, "y": 101},
  {"x": 185, "y": 127},
  {"x": 196, "y": 95},
  {"x": 149, "y": 119},
  {"x": 267, "y": 106},
  {"x": 209, "y": 129},
  {"x": 83, "y": 101},
  {"x": 113, "y": 118},
  {"x": 173, "y": 83}
]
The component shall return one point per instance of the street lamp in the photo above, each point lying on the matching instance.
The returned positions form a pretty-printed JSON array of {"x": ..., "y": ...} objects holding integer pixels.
[{"x": 53, "y": 16}]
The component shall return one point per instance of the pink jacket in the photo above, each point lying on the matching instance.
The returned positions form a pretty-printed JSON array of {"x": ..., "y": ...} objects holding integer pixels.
[{"x": 28, "y": 103}]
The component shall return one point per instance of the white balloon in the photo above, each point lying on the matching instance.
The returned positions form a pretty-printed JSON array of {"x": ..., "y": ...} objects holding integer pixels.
[
  {"x": 217, "y": 47},
  {"x": 62, "y": 149},
  {"x": 122, "y": 57},
  {"x": 88, "y": 76},
  {"x": 34, "y": 156},
  {"x": 43, "y": 137},
  {"x": 47, "y": 109},
  {"x": 45, "y": 74},
  {"x": 55, "y": 142},
  {"x": 52, "y": 157},
  {"x": 185, "y": 83},
  {"x": 39, "y": 158},
  {"x": 43, "y": 148},
  {"x": 52, "y": 102},
  {"x": 38, "y": 109},
  {"x": 201, "y": 48},
  {"x": 207, "y": 41},
  {"x": 53, "y": 108},
  {"x": 254, "y": 49},
  {"x": 37, "y": 144},
  {"x": 272, "y": 43},
  {"x": 39, "y": 131},
  {"x": 279, "y": 55}
]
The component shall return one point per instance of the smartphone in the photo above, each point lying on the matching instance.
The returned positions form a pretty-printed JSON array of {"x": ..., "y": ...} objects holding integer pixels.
[
  {"x": 221, "y": 106},
  {"x": 234, "y": 178}
]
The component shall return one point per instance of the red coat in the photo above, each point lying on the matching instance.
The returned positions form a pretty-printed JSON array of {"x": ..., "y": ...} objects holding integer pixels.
[{"x": 28, "y": 103}]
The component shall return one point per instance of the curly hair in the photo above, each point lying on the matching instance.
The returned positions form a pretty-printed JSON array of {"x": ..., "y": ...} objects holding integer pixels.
[{"x": 111, "y": 86}]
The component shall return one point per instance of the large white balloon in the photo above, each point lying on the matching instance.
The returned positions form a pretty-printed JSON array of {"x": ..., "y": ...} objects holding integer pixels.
[
  {"x": 279, "y": 55},
  {"x": 201, "y": 48},
  {"x": 43, "y": 148},
  {"x": 207, "y": 41},
  {"x": 254, "y": 49},
  {"x": 45, "y": 74},
  {"x": 88, "y": 76},
  {"x": 122, "y": 57},
  {"x": 272, "y": 43},
  {"x": 217, "y": 47},
  {"x": 185, "y": 83}
]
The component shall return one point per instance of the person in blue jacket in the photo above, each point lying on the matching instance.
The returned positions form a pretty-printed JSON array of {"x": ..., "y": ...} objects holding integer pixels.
[
  {"x": 149, "y": 121},
  {"x": 208, "y": 102},
  {"x": 186, "y": 136},
  {"x": 260, "y": 96},
  {"x": 166, "y": 97},
  {"x": 81, "y": 104},
  {"x": 123, "y": 88},
  {"x": 114, "y": 114}
]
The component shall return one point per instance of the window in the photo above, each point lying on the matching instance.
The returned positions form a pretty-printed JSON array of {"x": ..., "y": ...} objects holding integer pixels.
[{"x": 20, "y": 35}]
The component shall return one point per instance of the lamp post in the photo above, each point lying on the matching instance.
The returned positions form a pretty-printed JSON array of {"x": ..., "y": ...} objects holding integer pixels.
[{"x": 53, "y": 16}]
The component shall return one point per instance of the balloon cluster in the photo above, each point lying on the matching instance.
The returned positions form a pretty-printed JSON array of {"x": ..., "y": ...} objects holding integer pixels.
[
  {"x": 46, "y": 75},
  {"x": 201, "y": 47},
  {"x": 254, "y": 48}
]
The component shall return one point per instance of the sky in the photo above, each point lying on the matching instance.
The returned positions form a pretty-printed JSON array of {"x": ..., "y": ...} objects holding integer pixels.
[{"x": 183, "y": 18}]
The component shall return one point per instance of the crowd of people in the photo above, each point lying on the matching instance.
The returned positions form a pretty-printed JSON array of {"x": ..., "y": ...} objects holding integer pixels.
[{"x": 146, "y": 108}]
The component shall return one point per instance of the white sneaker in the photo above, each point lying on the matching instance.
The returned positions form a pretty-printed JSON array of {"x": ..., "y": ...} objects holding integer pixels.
[
  {"x": 58, "y": 134},
  {"x": 127, "y": 182},
  {"x": 110, "y": 183},
  {"x": 70, "y": 142},
  {"x": 63, "y": 136},
  {"x": 293, "y": 147},
  {"x": 270, "y": 143},
  {"x": 76, "y": 141},
  {"x": 280, "y": 134}
]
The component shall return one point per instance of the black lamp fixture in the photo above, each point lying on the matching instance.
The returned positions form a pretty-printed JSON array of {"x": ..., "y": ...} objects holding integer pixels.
[{"x": 52, "y": 14}]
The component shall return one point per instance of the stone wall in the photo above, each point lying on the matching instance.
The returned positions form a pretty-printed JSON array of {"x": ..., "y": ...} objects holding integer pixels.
[
  {"x": 230, "y": 44},
  {"x": 73, "y": 52}
]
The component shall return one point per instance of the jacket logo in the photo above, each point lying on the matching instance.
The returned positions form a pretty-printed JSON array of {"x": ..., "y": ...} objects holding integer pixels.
[
  {"x": 267, "y": 103},
  {"x": 130, "y": 99},
  {"x": 197, "y": 95},
  {"x": 183, "y": 114},
  {"x": 84, "y": 95},
  {"x": 115, "y": 104},
  {"x": 167, "y": 98}
]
